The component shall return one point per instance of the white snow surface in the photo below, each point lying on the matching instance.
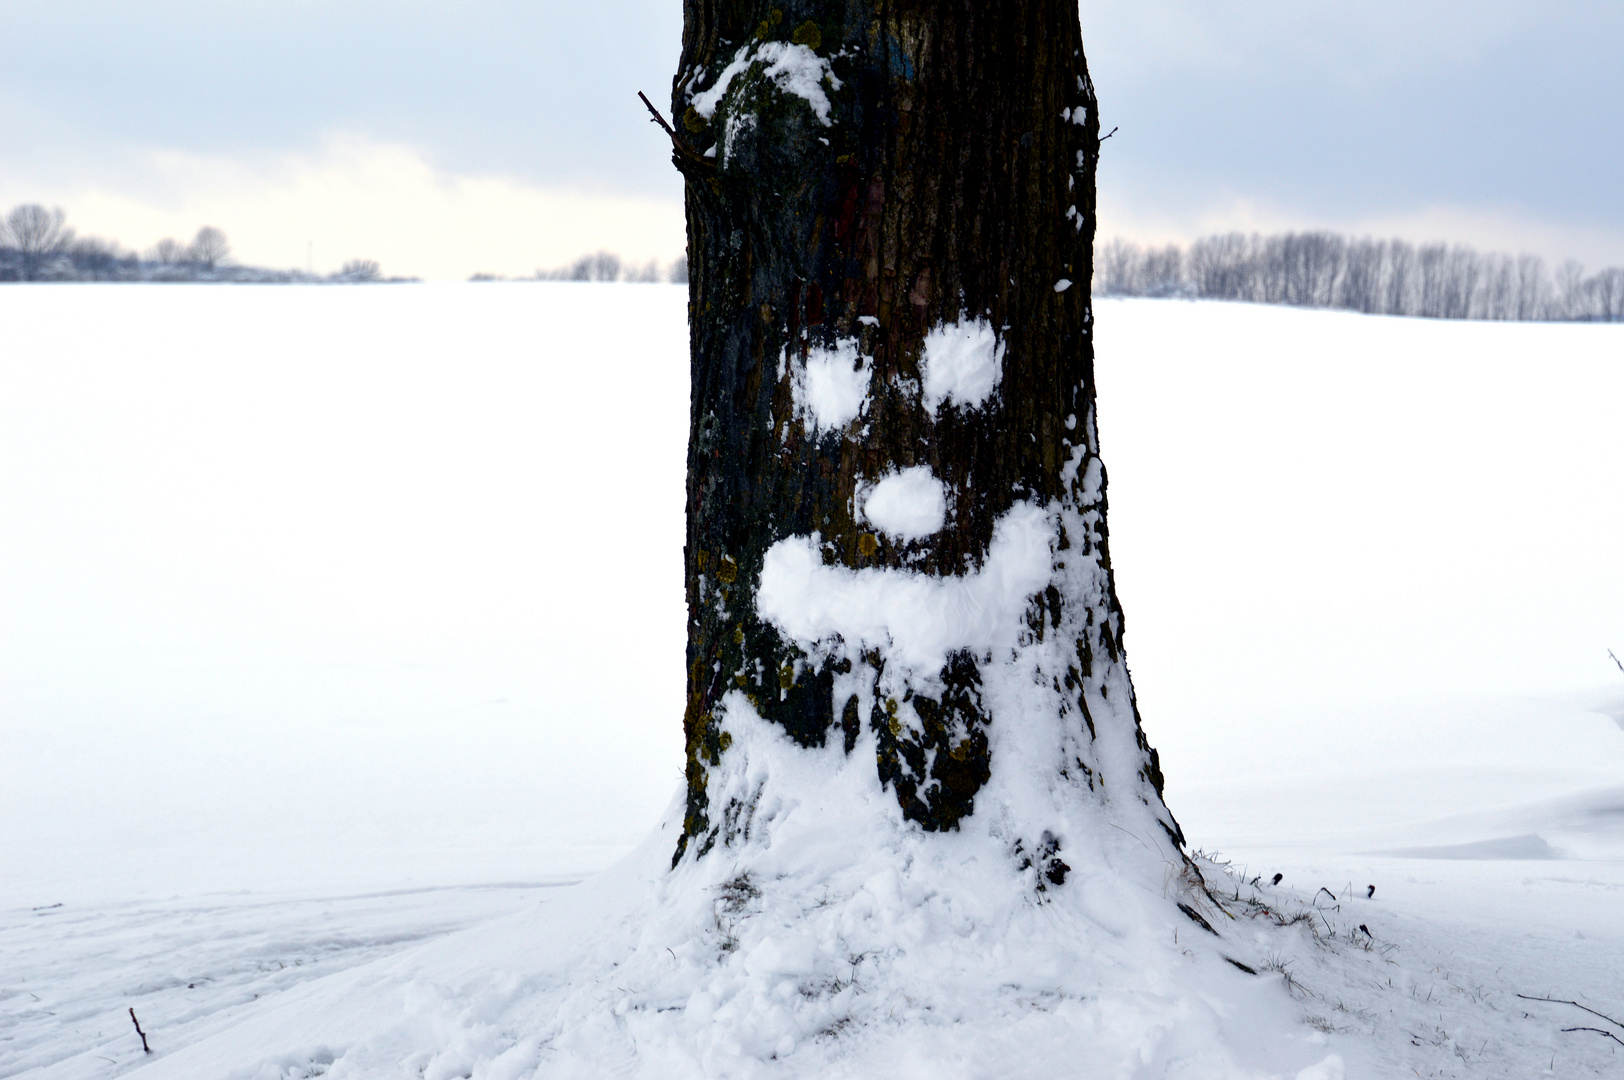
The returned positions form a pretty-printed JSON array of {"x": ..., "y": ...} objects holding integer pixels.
[
  {"x": 961, "y": 364},
  {"x": 317, "y": 690},
  {"x": 831, "y": 387},
  {"x": 916, "y": 618},
  {"x": 909, "y": 504},
  {"x": 794, "y": 69}
]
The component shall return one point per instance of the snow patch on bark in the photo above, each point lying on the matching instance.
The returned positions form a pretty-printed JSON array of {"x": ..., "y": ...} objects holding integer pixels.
[
  {"x": 830, "y": 388},
  {"x": 962, "y": 363},
  {"x": 794, "y": 69}
]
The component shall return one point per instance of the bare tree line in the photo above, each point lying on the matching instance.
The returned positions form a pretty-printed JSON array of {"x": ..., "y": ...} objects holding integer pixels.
[
  {"x": 1380, "y": 277},
  {"x": 602, "y": 266},
  {"x": 36, "y": 244}
]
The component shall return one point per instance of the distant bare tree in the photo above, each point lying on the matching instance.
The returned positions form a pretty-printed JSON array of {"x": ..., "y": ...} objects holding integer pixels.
[
  {"x": 1463, "y": 271},
  {"x": 1221, "y": 266},
  {"x": 209, "y": 247},
  {"x": 679, "y": 271},
  {"x": 1360, "y": 288},
  {"x": 1115, "y": 268},
  {"x": 1400, "y": 279},
  {"x": 1498, "y": 297},
  {"x": 359, "y": 270},
  {"x": 1320, "y": 269},
  {"x": 1531, "y": 288},
  {"x": 168, "y": 252},
  {"x": 1570, "y": 300},
  {"x": 1607, "y": 290},
  {"x": 647, "y": 273},
  {"x": 599, "y": 266},
  {"x": 37, "y": 234},
  {"x": 93, "y": 258},
  {"x": 1307, "y": 267},
  {"x": 1161, "y": 272}
]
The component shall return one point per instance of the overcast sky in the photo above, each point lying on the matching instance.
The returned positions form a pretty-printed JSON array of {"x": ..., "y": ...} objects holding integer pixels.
[{"x": 444, "y": 138}]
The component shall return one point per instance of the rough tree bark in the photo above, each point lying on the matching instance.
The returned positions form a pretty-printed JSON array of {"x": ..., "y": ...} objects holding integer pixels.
[{"x": 861, "y": 176}]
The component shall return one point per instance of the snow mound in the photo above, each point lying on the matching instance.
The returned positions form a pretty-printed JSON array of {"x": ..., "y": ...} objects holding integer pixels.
[
  {"x": 908, "y": 954},
  {"x": 1611, "y": 705}
]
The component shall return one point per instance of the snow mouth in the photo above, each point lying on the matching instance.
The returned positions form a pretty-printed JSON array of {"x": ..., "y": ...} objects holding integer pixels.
[{"x": 917, "y": 619}]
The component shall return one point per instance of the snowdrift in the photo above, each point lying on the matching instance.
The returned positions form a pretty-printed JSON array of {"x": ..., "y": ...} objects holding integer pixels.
[{"x": 319, "y": 691}]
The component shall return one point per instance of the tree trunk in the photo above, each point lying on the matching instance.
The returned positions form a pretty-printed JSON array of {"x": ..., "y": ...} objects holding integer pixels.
[{"x": 896, "y": 533}]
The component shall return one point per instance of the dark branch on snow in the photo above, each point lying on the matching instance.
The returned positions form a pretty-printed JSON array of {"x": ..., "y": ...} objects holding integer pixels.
[
  {"x": 145, "y": 1049},
  {"x": 1576, "y": 1005}
]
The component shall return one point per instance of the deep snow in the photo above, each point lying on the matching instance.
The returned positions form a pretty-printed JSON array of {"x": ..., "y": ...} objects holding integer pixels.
[{"x": 327, "y": 613}]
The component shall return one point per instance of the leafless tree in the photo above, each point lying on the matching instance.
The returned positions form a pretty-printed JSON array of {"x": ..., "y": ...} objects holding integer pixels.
[
  {"x": 1360, "y": 287},
  {"x": 678, "y": 274},
  {"x": 648, "y": 273},
  {"x": 1115, "y": 268},
  {"x": 1570, "y": 300},
  {"x": 1320, "y": 269},
  {"x": 1530, "y": 298},
  {"x": 209, "y": 247},
  {"x": 1221, "y": 266},
  {"x": 168, "y": 252},
  {"x": 1607, "y": 291},
  {"x": 599, "y": 266},
  {"x": 94, "y": 259},
  {"x": 1401, "y": 278},
  {"x": 359, "y": 270},
  {"x": 37, "y": 235},
  {"x": 1499, "y": 294},
  {"x": 1162, "y": 272}
]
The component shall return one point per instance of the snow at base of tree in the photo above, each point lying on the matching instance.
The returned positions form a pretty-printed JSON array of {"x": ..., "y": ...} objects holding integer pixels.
[
  {"x": 319, "y": 695},
  {"x": 894, "y": 956}
]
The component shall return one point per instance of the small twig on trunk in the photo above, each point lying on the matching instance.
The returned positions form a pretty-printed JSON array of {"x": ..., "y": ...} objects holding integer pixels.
[
  {"x": 1616, "y": 660},
  {"x": 1576, "y": 1005},
  {"x": 658, "y": 119},
  {"x": 1598, "y": 1031},
  {"x": 145, "y": 1049},
  {"x": 676, "y": 140},
  {"x": 1108, "y": 134}
]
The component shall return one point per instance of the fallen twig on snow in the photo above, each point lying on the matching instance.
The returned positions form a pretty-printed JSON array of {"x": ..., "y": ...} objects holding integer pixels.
[
  {"x": 1598, "y": 1031},
  {"x": 1576, "y": 1005},
  {"x": 145, "y": 1049}
]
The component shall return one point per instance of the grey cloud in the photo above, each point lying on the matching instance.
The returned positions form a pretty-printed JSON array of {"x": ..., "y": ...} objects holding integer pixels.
[
  {"x": 1327, "y": 112},
  {"x": 1339, "y": 110}
]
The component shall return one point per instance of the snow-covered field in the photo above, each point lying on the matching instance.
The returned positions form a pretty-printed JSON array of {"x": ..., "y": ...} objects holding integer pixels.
[{"x": 339, "y": 627}]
